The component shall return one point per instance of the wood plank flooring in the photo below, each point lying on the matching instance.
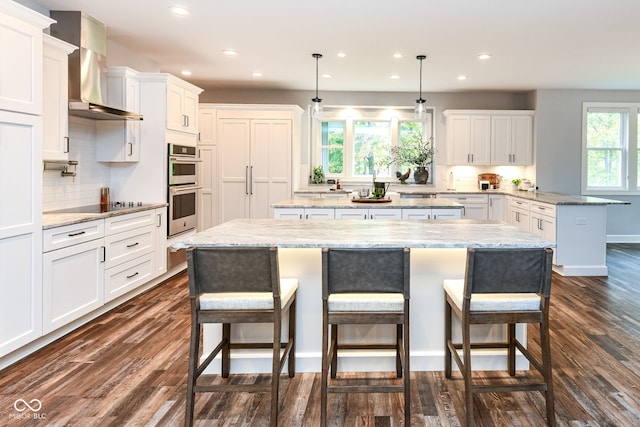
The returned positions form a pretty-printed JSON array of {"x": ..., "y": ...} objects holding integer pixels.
[{"x": 129, "y": 367}]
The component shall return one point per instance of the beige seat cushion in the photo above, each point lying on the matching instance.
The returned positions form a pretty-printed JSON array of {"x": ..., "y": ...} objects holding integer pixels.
[
  {"x": 366, "y": 302},
  {"x": 248, "y": 300},
  {"x": 492, "y": 302}
]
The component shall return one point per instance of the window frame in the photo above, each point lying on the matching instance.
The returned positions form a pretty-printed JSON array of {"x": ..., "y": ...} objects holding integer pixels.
[
  {"x": 630, "y": 148},
  {"x": 349, "y": 115}
]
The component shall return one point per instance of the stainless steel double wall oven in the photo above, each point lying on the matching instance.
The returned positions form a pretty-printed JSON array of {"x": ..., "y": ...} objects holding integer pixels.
[{"x": 182, "y": 188}]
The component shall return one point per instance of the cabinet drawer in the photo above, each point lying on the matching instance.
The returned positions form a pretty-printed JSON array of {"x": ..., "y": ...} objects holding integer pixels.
[
  {"x": 519, "y": 203},
  {"x": 61, "y": 237},
  {"x": 120, "y": 223},
  {"x": 127, "y": 276},
  {"x": 466, "y": 198},
  {"x": 543, "y": 209},
  {"x": 124, "y": 246}
]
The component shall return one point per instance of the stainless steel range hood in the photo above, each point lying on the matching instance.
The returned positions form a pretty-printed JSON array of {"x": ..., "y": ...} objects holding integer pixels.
[{"x": 87, "y": 66}]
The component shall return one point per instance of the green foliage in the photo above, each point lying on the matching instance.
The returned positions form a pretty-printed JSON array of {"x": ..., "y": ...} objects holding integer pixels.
[
  {"x": 318, "y": 174},
  {"x": 413, "y": 149},
  {"x": 605, "y": 137}
]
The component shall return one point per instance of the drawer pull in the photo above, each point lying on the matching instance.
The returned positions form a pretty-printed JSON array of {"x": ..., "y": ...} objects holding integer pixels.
[
  {"x": 133, "y": 275},
  {"x": 79, "y": 233},
  {"x": 133, "y": 244}
]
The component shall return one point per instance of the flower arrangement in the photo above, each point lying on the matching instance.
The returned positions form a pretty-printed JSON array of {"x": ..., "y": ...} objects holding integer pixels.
[{"x": 414, "y": 150}]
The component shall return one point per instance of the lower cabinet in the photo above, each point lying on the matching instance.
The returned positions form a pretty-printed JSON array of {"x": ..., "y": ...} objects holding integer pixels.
[
  {"x": 496, "y": 207},
  {"x": 543, "y": 220},
  {"x": 73, "y": 273},
  {"x": 475, "y": 206},
  {"x": 444, "y": 213},
  {"x": 364, "y": 213},
  {"x": 303, "y": 213},
  {"x": 518, "y": 213}
]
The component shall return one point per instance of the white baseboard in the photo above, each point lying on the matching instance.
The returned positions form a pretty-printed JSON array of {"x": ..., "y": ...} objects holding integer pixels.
[
  {"x": 581, "y": 270},
  {"x": 623, "y": 238}
]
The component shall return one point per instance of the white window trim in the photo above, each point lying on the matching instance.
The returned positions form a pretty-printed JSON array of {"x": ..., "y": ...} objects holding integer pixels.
[
  {"x": 629, "y": 161},
  {"x": 372, "y": 113}
]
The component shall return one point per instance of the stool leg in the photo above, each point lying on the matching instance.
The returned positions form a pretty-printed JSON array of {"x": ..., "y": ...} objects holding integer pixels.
[
  {"x": 407, "y": 368},
  {"x": 226, "y": 349},
  {"x": 447, "y": 338},
  {"x": 275, "y": 367},
  {"x": 325, "y": 365},
  {"x": 468, "y": 390},
  {"x": 399, "y": 337},
  {"x": 545, "y": 344},
  {"x": 194, "y": 349},
  {"x": 292, "y": 338},
  {"x": 511, "y": 353},
  {"x": 334, "y": 355}
]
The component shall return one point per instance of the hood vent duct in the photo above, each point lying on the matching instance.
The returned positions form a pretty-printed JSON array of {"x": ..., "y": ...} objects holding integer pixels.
[{"x": 87, "y": 66}]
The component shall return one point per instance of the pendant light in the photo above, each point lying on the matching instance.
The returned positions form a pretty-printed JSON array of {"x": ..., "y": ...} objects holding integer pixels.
[
  {"x": 421, "y": 110},
  {"x": 316, "y": 106}
]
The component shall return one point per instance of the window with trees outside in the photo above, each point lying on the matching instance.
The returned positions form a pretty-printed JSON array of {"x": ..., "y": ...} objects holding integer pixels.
[
  {"x": 610, "y": 148},
  {"x": 351, "y": 144}
]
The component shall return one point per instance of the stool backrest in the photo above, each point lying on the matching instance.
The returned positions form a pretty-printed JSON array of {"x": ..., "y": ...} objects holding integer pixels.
[
  {"x": 376, "y": 270},
  {"x": 508, "y": 271},
  {"x": 233, "y": 269}
]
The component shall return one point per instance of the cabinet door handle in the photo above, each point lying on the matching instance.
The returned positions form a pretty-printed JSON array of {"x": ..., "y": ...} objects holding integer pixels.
[
  {"x": 79, "y": 233},
  {"x": 130, "y": 144},
  {"x": 104, "y": 253},
  {"x": 246, "y": 177},
  {"x": 159, "y": 218},
  {"x": 133, "y": 275},
  {"x": 66, "y": 144},
  {"x": 133, "y": 245},
  {"x": 251, "y": 179}
]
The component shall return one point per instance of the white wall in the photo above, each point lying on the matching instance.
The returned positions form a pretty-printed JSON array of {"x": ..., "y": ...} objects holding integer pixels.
[{"x": 558, "y": 125}]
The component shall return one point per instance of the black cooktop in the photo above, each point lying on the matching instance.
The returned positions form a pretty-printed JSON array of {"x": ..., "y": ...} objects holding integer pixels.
[{"x": 113, "y": 207}]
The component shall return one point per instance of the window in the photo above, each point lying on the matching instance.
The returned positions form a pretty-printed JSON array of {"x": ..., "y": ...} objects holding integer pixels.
[
  {"x": 610, "y": 148},
  {"x": 352, "y": 144}
]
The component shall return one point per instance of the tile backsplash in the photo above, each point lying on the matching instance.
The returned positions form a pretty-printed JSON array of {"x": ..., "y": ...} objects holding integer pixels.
[{"x": 84, "y": 189}]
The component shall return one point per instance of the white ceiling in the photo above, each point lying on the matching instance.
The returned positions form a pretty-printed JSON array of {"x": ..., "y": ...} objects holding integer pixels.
[{"x": 535, "y": 44}]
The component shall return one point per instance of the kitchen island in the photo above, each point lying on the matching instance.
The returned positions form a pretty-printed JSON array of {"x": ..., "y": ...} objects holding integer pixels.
[{"x": 438, "y": 251}]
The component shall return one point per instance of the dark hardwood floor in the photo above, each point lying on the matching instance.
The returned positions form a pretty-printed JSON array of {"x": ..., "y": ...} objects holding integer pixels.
[{"x": 129, "y": 367}]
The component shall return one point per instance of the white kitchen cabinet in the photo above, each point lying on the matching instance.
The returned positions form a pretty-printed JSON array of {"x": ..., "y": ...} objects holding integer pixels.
[
  {"x": 254, "y": 166},
  {"x": 182, "y": 107},
  {"x": 543, "y": 220},
  {"x": 512, "y": 139},
  {"x": 21, "y": 58},
  {"x": 160, "y": 241},
  {"x": 304, "y": 213},
  {"x": 364, "y": 213},
  {"x": 20, "y": 230},
  {"x": 468, "y": 139},
  {"x": 475, "y": 206},
  {"x": 496, "y": 207},
  {"x": 426, "y": 213},
  {"x": 55, "y": 113},
  {"x": 119, "y": 140},
  {"x": 207, "y": 170},
  {"x": 73, "y": 273},
  {"x": 518, "y": 213}
]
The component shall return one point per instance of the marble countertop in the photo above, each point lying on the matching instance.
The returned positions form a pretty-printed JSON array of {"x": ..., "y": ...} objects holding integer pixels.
[
  {"x": 347, "y": 203},
  {"x": 364, "y": 234},
  {"x": 540, "y": 196},
  {"x": 77, "y": 215}
]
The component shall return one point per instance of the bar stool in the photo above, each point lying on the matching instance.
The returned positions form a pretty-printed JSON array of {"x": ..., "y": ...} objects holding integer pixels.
[
  {"x": 501, "y": 286},
  {"x": 239, "y": 285},
  {"x": 365, "y": 286}
]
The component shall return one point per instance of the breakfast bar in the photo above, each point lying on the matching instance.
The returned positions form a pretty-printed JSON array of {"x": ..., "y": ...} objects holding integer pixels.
[{"x": 438, "y": 251}]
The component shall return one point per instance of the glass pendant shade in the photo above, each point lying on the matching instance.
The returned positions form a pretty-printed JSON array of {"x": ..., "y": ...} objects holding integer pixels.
[
  {"x": 316, "y": 106},
  {"x": 421, "y": 108}
]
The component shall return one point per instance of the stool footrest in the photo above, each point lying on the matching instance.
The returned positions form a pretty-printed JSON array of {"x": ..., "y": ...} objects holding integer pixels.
[{"x": 366, "y": 389}]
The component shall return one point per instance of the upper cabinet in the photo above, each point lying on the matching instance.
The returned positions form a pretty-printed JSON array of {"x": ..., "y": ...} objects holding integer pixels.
[
  {"x": 182, "y": 107},
  {"x": 512, "y": 139},
  {"x": 21, "y": 62},
  {"x": 489, "y": 137},
  {"x": 119, "y": 140},
  {"x": 55, "y": 116}
]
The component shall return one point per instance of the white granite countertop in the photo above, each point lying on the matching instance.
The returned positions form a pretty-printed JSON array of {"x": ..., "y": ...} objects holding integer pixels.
[
  {"x": 364, "y": 234},
  {"x": 540, "y": 196},
  {"x": 344, "y": 202},
  {"x": 80, "y": 214}
]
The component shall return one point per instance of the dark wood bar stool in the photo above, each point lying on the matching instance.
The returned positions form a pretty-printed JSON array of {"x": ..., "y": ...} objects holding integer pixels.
[
  {"x": 239, "y": 285},
  {"x": 365, "y": 286},
  {"x": 501, "y": 286}
]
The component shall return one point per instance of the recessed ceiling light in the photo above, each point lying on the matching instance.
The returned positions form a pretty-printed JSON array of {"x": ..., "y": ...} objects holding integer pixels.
[
  {"x": 230, "y": 52},
  {"x": 341, "y": 55},
  {"x": 397, "y": 55},
  {"x": 462, "y": 77},
  {"x": 179, "y": 10},
  {"x": 394, "y": 76},
  {"x": 256, "y": 74},
  {"x": 185, "y": 72},
  {"x": 326, "y": 76},
  {"x": 484, "y": 56}
]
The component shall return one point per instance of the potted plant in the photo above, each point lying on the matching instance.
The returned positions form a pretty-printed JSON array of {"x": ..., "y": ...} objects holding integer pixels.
[
  {"x": 318, "y": 175},
  {"x": 515, "y": 184},
  {"x": 416, "y": 151}
]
